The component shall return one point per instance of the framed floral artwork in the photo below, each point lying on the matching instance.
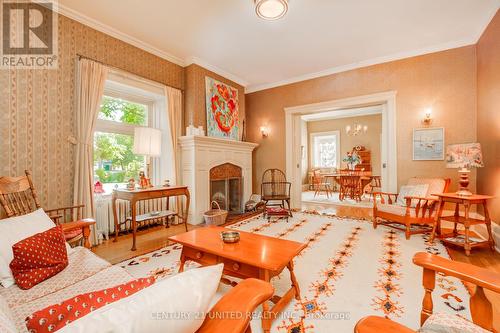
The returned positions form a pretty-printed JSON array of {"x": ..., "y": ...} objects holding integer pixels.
[
  {"x": 428, "y": 144},
  {"x": 222, "y": 109}
]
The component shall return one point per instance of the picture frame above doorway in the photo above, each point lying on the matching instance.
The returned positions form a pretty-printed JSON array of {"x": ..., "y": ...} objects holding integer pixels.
[{"x": 428, "y": 144}]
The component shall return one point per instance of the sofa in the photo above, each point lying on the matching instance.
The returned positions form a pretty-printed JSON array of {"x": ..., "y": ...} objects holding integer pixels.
[{"x": 86, "y": 273}]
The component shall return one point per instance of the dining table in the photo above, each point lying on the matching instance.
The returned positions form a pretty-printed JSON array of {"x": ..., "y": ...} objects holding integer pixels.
[{"x": 365, "y": 178}]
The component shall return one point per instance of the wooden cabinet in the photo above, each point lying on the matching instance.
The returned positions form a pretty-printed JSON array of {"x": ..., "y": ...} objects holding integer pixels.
[{"x": 366, "y": 159}]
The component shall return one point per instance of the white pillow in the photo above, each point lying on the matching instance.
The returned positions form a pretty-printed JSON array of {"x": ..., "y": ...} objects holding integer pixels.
[
  {"x": 411, "y": 191},
  {"x": 15, "y": 229},
  {"x": 173, "y": 305},
  {"x": 7, "y": 323}
]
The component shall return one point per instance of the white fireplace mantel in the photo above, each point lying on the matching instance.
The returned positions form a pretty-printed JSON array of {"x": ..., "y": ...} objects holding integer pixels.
[{"x": 199, "y": 154}]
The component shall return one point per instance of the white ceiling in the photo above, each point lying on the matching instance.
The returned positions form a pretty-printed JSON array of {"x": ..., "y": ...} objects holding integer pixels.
[{"x": 316, "y": 37}]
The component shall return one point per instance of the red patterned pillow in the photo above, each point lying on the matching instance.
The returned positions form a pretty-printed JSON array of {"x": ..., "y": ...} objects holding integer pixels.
[
  {"x": 55, "y": 317},
  {"x": 39, "y": 257}
]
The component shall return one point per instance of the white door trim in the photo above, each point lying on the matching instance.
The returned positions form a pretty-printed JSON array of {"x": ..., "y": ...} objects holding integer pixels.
[{"x": 388, "y": 149}]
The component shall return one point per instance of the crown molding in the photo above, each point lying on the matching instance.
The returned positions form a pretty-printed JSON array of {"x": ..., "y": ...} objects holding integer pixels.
[
  {"x": 216, "y": 70},
  {"x": 97, "y": 25},
  {"x": 361, "y": 64},
  {"x": 375, "y": 61}
]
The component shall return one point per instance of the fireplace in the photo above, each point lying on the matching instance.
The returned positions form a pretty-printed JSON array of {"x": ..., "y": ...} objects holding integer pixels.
[
  {"x": 200, "y": 157},
  {"x": 226, "y": 187}
]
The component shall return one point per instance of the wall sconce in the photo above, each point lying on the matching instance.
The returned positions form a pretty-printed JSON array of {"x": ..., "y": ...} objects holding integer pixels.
[
  {"x": 428, "y": 117},
  {"x": 264, "y": 130}
]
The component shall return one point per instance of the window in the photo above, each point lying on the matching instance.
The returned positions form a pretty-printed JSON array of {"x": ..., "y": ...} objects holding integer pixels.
[
  {"x": 326, "y": 149},
  {"x": 114, "y": 161},
  {"x": 130, "y": 101}
]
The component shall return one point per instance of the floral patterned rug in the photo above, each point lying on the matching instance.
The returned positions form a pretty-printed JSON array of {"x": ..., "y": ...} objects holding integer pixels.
[{"x": 347, "y": 271}]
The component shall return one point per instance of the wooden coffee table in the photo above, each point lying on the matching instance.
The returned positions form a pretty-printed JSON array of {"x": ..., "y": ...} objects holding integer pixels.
[{"x": 254, "y": 256}]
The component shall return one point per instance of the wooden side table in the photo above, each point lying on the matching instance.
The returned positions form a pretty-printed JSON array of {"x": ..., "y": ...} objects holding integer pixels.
[{"x": 454, "y": 237}]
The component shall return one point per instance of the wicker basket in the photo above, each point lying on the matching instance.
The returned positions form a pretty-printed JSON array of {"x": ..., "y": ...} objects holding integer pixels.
[{"x": 215, "y": 216}]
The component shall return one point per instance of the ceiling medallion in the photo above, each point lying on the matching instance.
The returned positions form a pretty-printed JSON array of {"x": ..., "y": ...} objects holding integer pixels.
[{"x": 271, "y": 9}]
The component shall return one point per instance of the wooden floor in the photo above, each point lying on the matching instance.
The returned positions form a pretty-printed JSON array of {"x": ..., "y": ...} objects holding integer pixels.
[{"x": 156, "y": 238}]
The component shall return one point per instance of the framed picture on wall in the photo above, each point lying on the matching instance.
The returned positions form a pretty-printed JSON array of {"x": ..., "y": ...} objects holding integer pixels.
[
  {"x": 222, "y": 109},
  {"x": 428, "y": 144}
]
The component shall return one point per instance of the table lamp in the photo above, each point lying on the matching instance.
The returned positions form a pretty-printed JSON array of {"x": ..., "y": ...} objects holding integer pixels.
[
  {"x": 147, "y": 142},
  {"x": 464, "y": 156}
]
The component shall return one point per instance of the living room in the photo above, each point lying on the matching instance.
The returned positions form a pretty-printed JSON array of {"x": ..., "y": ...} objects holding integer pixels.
[{"x": 253, "y": 165}]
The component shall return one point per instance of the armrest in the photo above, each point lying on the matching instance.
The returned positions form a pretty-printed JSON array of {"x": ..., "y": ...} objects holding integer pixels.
[
  {"x": 84, "y": 225},
  {"x": 233, "y": 311},
  {"x": 476, "y": 275},
  {"x": 373, "y": 324},
  {"x": 391, "y": 198}
]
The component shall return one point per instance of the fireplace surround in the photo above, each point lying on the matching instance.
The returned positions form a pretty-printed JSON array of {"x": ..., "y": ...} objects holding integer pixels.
[{"x": 229, "y": 162}]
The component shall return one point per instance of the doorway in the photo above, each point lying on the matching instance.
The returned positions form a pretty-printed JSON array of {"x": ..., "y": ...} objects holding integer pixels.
[{"x": 297, "y": 117}]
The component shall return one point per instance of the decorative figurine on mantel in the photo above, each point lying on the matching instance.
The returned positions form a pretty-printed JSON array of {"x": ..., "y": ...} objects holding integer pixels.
[
  {"x": 166, "y": 183},
  {"x": 131, "y": 184},
  {"x": 144, "y": 182}
]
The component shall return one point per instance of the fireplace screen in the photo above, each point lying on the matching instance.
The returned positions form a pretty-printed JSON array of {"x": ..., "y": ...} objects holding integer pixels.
[{"x": 225, "y": 187}]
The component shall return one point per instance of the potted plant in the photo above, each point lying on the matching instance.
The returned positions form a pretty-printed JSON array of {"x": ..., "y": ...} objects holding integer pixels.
[{"x": 352, "y": 159}]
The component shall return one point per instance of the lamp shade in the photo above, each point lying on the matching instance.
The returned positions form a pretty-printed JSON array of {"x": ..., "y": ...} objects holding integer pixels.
[
  {"x": 147, "y": 141},
  {"x": 464, "y": 155}
]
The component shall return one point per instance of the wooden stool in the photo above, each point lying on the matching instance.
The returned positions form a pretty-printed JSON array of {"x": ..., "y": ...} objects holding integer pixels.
[{"x": 277, "y": 213}]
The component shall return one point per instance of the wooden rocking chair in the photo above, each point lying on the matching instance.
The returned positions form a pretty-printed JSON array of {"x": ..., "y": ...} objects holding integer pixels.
[{"x": 19, "y": 197}]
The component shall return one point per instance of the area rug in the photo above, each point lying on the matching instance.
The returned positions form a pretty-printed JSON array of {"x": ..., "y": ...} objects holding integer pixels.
[{"x": 347, "y": 271}]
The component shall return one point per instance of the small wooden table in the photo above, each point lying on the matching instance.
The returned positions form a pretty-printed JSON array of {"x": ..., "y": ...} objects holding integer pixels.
[
  {"x": 454, "y": 237},
  {"x": 254, "y": 256},
  {"x": 133, "y": 196}
]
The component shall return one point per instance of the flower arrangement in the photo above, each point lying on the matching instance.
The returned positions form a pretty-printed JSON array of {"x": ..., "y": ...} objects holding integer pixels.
[{"x": 352, "y": 159}]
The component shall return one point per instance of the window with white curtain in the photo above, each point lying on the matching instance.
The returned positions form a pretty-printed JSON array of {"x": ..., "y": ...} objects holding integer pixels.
[
  {"x": 128, "y": 102},
  {"x": 325, "y": 149}
]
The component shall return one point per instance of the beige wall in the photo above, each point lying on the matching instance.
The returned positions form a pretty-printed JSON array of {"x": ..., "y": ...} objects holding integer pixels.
[
  {"x": 195, "y": 112},
  {"x": 370, "y": 140},
  {"x": 445, "y": 81},
  {"x": 488, "y": 113}
]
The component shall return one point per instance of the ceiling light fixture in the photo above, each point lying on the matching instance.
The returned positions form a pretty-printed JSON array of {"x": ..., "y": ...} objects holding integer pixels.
[{"x": 271, "y": 9}]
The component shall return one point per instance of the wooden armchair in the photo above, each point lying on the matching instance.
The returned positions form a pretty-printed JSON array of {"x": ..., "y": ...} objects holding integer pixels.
[
  {"x": 480, "y": 306},
  {"x": 419, "y": 213},
  {"x": 19, "y": 197},
  {"x": 233, "y": 311}
]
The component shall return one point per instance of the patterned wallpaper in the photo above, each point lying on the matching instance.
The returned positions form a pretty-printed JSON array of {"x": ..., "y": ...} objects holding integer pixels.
[
  {"x": 195, "y": 112},
  {"x": 37, "y": 107}
]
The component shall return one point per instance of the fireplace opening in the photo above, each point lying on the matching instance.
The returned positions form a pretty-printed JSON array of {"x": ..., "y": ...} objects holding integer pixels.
[{"x": 226, "y": 187}]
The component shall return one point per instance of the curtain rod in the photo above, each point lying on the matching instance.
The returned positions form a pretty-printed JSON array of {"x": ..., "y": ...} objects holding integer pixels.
[{"x": 80, "y": 56}]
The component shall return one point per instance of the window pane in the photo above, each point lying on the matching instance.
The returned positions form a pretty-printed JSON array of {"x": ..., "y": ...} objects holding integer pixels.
[
  {"x": 325, "y": 151},
  {"x": 120, "y": 110},
  {"x": 114, "y": 161}
]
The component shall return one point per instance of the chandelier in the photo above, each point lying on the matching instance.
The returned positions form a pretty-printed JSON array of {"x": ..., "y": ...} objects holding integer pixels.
[
  {"x": 356, "y": 129},
  {"x": 271, "y": 9}
]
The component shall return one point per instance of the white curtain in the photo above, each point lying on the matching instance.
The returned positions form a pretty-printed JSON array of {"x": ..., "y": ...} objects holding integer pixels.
[
  {"x": 91, "y": 77},
  {"x": 174, "y": 111}
]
